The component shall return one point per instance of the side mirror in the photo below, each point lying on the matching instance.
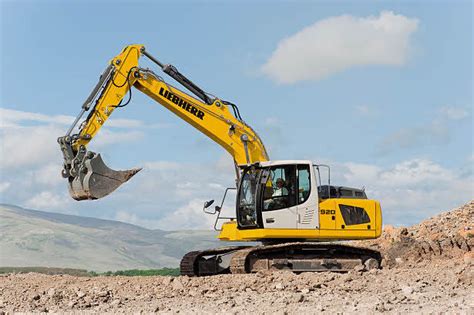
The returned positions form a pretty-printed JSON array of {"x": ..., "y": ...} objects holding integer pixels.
[{"x": 208, "y": 203}]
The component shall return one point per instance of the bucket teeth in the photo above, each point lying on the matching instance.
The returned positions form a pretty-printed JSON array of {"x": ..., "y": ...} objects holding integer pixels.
[{"x": 95, "y": 180}]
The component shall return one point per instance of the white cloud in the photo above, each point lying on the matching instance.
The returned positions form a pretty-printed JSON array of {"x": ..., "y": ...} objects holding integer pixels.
[
  {"x": 48, "y": 200},
  {"x": 162, "y": 165},
  {"x": 171, "y": 194},
  {"x": 31, "y": 162},
  {"x": 435, "y": 132},
  {"x": 49, "y": 175},
  {"x": 4, "y": 186},
  {"x": 188, "y": 217},
  {"x": 12, "y": 117},
  {"x": 364, "y": 110},
  {"x": 133, "y": 218},
  {"x": 108, "y": 137},
  {"x": 271, "y": 121},
  {"x": 338, "y": 43},
  {"x": 28, "y": 139},
  {"x": 454, "y": 112},
  {"x": 29, "y": 146},
  {"x": 409, "y": 190}
]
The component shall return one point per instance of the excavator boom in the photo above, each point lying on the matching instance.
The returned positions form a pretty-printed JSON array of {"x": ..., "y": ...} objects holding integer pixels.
[{"x": 87, "y": 174}]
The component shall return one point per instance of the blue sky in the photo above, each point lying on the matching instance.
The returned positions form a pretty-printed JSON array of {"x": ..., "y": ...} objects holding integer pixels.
[{"x": 389, "y": 111}]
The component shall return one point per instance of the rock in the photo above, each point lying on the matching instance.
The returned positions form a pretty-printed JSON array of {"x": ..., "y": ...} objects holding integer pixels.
[
  {"x": 167, "y": 280},
  {"x": 445, "y": 244},
  {"x": 468, "y": 258},
  {"x": 436, "y": 247},
  {"x": 305, "y": 291},
  {"x": 426, "y": 247},
  {"x": 116, "y": 302},
  {"x": 407, "y": 290},
  {"x": 466, "y": 232},
  {"x": 36, "y": 297},
  {"x": 177, "y": 285},
  {"x": 80, "y": 294},
  {"x": 279, "y": 286},
  {"x": 51, "y": 292},
  {"x": 399, "y": 260},
  {"x": 374, "y": 271},
  {"x": 297, "y": 298},
  {"x": 371, "y": 264}
]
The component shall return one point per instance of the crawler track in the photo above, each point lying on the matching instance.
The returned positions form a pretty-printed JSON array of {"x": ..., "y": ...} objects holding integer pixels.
[
  {"x": 205, "y": 262},
  {"x": 297, "y": 257}
]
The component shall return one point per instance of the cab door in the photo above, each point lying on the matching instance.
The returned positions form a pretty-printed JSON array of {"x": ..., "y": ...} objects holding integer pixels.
[
  {"x": 279, "y": 207},
  {"x": 307, "y": 197}
]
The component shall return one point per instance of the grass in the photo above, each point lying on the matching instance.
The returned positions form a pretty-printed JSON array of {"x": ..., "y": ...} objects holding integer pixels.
[
  {"x": 147, "y": 272},
  {"x": 85, "y": 273},
  {"x": 46, "y": 270}
]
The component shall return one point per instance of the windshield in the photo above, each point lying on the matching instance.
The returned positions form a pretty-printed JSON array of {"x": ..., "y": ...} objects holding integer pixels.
[
  {"x": 247, "y": 199},
  {"x": 279, "y": 189}
]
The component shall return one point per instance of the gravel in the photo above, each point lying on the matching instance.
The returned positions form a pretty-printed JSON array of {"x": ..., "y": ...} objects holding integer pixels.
[{"x": 427, "y": 268}]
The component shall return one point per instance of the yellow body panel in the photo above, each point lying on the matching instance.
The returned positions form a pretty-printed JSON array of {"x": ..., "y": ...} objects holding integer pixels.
[{"x": 329, "y": 229}]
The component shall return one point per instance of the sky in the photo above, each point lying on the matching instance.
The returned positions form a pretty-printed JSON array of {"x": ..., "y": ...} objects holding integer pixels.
[{"x": 379, "y": 90}]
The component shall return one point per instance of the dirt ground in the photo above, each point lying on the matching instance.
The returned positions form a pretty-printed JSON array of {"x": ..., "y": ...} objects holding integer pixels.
[{"x": 427, "y": 268}]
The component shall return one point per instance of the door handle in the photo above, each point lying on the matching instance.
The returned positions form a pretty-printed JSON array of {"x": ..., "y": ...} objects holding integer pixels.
[{"x": 270, "y": 220}]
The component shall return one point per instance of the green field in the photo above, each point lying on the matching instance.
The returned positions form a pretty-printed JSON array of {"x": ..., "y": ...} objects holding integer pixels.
[{"x": 85, "y": 273}]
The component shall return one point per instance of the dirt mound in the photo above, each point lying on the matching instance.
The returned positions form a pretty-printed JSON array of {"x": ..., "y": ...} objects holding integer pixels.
[
  {"x": 430, "y": 289},
  {"x": 449, "y": 235},
  {"x": 428, "y": 268}
]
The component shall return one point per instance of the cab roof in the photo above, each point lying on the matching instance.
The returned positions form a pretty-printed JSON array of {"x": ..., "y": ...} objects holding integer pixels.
[{"x": 283, "y": 162}]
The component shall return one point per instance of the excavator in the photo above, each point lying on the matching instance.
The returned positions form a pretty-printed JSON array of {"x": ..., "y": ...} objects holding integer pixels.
[{"x": 297, "y": 219}]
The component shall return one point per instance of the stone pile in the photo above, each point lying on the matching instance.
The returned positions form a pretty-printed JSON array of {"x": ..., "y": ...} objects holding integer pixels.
[
  {"x": 428, "y": 268},
  {"x": 449, "y": 235}
]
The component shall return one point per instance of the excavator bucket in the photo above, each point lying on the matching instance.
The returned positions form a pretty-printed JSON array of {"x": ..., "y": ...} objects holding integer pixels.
[{"x": 95, "y": 180}]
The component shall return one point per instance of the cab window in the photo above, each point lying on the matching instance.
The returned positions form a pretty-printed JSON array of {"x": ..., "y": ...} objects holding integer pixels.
[
  {"x": 304, "y": 183},
  {"x": 280, "y": 188},
  {"x": 247, "y": 210}
]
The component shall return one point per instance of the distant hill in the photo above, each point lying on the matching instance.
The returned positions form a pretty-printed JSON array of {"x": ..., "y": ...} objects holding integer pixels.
[{"x": 37, "y": 238}]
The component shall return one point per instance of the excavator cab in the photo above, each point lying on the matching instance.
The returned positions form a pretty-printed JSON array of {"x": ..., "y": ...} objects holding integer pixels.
[
  {"x": 288, "y": 199},
  {"x": 270, "y": 194}
]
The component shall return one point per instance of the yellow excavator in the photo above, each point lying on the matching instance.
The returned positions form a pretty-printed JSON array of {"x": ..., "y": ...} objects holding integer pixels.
[{"x": 284, "y": 205}]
